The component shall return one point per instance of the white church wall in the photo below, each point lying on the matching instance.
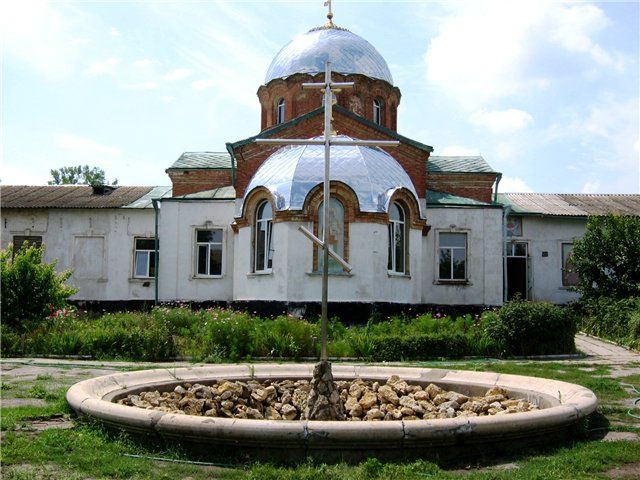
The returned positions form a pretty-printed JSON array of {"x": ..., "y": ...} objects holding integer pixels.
[
  {"x": 483, "y": 285},
  {"x": 547, "y": 234},
  {"x": 292, "y": 277},
  {"x": 178, "y": 223},
  {"x": 270, "y": 285},
  {"x": 98, "y": 244}
]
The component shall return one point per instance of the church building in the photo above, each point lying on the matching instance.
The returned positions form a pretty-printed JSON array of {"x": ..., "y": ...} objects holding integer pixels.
[{"x": 417, "y": 229}]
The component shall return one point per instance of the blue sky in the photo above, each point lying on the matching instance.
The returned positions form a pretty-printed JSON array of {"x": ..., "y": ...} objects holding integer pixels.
[{"x": 546, "y": 91}]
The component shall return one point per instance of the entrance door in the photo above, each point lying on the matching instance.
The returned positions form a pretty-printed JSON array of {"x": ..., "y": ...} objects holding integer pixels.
[{"x": 517, "y": 270}]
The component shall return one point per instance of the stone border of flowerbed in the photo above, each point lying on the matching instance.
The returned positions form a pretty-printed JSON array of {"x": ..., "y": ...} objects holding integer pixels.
[{"x": 562, "y": 406}]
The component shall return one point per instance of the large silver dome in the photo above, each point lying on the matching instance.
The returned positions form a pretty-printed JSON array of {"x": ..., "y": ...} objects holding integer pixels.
[
  {"x": 292, "y": 172},
  {"x": 347, "y": 52}
]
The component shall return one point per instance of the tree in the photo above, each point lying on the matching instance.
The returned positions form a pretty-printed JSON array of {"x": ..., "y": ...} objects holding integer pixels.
[
  {"x": 607, "y": 258},
  {"x": 79, "y": 175},
  {"x": 31, "y": 290}
]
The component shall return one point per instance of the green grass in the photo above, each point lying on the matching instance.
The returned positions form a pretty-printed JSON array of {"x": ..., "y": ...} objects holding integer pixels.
[{"x": 88, "y": 451}]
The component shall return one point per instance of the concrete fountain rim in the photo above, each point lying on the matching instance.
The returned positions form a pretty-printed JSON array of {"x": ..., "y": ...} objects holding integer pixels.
[{"x": 567, "y": 404}]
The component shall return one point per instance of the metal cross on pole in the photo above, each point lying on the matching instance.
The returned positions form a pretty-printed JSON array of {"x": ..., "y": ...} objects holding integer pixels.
[{"x": 329, "y": 88}]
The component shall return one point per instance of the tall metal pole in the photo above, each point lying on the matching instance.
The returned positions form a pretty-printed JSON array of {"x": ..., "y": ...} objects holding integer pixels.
[{"x": 328, "y": 107}]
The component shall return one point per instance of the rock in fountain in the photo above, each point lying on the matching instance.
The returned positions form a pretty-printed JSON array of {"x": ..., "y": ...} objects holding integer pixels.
[{"x": 324, "y": 401}]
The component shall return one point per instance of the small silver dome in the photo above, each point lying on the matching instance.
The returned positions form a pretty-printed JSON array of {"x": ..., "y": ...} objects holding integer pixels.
[
  {"x": 347, "y": 52},
  {"x": 292, "y": 172}
]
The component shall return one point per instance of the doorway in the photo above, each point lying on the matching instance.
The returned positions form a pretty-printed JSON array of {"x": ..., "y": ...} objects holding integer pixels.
[{"x": 518, "y": 284}]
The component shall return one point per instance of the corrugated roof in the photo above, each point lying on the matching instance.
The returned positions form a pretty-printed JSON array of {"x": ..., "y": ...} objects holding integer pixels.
[
  {"x": 473, "y": 164},
  {"x": 202, "y": 160},
  {"x": 443, "y": 199},
  {"x": 567, "y": 204},
  {"x": 145, "y": 200},
  {"x": 67, "y": 196}
]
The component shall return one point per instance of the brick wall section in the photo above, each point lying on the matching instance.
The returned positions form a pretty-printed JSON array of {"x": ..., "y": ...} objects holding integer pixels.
[
  {"x": 358, "y": 99},
  {"x": 192, "y": 181},
  {"x": 249, "y": 157},
  {"x": 478, "y": 186}
]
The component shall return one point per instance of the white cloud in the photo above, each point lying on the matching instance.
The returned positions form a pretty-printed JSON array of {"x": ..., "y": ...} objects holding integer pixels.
[
  {"x": 177, "y": 74},
  {"x": 484, "y": 49},
  {"x": 502, "y": 121},
  {"x": 457, "y": 151},
  {"x": 84, "y": 146},
  {"x": 591, "y": 187},
  {"x": 115, "y": 32},
  {"x": 102, "y": 67},
  {"x": 514, "y": 184},
  {"x": 142, "y": 86},
  {"x": 40, "y": 34},
  {"x": 203, "y": 84},
  {"x": 167, "y": 98}
]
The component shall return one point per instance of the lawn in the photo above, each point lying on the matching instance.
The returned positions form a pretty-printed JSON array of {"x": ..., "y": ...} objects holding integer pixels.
[{"x": 86, "y": 451}]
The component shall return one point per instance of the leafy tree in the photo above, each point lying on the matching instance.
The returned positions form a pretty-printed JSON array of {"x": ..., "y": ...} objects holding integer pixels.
[
  {"x": 81, "y": 174},
  {"x": 31, "y": 290},
  {"x": 607, "y": 258}
]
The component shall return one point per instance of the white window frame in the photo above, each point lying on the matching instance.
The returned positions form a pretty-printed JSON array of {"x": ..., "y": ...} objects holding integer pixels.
[
  {"x": 280, "y": 111},
  {"x": 511, "y": 248},
  {"x": 466, "y": 257},
  {"x": 396, "y": 226},
  {"x": 377, "y": 111},
  {"x": 208, "y": 245},
  {"x": 148, "y": 253},
  {"x": 267, "y": 246}
]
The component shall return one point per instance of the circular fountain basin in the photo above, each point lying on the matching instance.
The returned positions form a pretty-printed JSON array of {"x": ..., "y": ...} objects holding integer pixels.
[{"x": 561, "y": 405}]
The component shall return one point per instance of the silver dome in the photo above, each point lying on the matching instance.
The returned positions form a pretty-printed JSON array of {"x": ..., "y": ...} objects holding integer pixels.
[
  {"x": 292, "y": 172},
  {"x": 347, "y": 52}
]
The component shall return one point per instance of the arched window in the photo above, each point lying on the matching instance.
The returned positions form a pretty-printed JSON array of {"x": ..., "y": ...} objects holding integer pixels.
[
  {"x": 397, "y": 239},
  {"x": 262, "y": 252},
  {"x": 377, "y": 111},
  {"x": 280, "y": 111},
  {"x": 335, "y": 234}
]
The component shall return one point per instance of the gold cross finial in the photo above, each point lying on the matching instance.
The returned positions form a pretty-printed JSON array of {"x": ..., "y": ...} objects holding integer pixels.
[{"x": 327, "y": 3}]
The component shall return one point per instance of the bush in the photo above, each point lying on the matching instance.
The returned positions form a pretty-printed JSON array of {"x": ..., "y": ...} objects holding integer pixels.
[
  {"x": 607, "y": 258},
  {"x": 31, "y": 290},
  {"x": 614, "y": 319},
  {"x": 531, "y": 328},
  {"x": 420, "y": 347}
]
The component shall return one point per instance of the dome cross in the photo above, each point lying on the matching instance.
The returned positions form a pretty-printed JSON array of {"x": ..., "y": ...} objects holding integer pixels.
[{"x": 327, "y": 3}]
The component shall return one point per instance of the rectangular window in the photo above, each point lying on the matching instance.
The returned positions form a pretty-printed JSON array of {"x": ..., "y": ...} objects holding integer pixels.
[
  {"x": 144, "y": 259},
  {"x": 32, "y": 240},
  {"x": 517, "y": 249},
  {"x": 209, "y": 252},
  {"x": 453, "y": 256},
  {"x": 569, "y": 275}
]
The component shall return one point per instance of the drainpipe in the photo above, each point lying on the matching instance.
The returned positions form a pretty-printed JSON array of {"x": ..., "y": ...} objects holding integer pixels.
[
  {"x": 155, "y": 209},
  {"x": 495, "y": 193},
  {"x": 506, "y": 210},
  {"x": 233, "y": 163}
]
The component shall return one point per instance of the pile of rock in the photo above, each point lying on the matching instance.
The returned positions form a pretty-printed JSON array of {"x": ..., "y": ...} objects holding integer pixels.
[{"x": 362, "y": 399}]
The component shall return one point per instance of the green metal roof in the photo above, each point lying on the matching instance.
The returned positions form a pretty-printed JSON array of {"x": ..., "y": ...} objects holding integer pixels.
[
  {"x": 221, "y": 193},
  {"x": 470, "y": 164},
  {"x": 146, "y": 200},
  {"x": 277, "y": 128},
  {"x": 202, "y": 160},
  {"x": 443, "y": 199}
]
